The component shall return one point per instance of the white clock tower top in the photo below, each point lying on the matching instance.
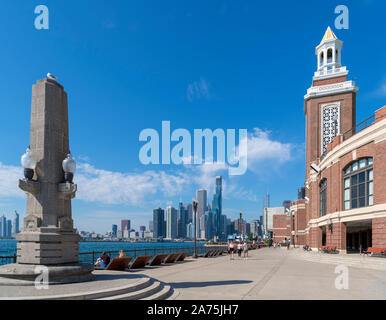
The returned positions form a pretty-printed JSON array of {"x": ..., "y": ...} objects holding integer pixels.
[{"x": 329, "y": 57}]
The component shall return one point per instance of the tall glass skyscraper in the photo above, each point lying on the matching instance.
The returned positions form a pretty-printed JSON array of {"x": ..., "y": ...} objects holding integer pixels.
[
  {"x": 15, "y": 225},
  {"x": 158, "y": 223},
  {"x": 201, "y": 197},
  {"x": 3, "y": 227},
  {"x": 114, "y": 230},
  {"x": 182, "y": 218},
  {"x": 171, "y": 222},
  {"x": 217, "y": 206}
]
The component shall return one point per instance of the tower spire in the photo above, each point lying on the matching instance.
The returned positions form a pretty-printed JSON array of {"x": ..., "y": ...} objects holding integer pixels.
[{"x": 329, "y": 35}]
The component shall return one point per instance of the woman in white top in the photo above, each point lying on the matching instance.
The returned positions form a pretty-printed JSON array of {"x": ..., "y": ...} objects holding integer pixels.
[
  {"x": 239, "y": 249},
  {"x": 245, "y": 249},
  {"x": 231, "y": 249}
]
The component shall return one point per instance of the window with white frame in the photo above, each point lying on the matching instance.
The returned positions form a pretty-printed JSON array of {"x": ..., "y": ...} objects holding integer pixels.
[{"x": 358, "y": 184}]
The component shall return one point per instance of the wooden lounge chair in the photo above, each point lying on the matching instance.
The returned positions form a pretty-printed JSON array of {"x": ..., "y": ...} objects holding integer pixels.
[
  {"x": 215, "y": 253},
  {"x": 117, "y": 264},
  {"x": 157, "y": 259},
  {"x": 171, "y": 258},
  {"x": 208, "y": 254},
  {"x": 182, "y": 256},
  {"x": 140, "y": 262}
]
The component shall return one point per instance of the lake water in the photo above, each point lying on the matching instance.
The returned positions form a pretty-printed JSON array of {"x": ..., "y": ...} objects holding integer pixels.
[{"x": 8, "y": 248}]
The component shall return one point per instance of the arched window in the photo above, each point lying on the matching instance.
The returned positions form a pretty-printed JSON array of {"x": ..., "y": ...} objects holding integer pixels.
[
  {"x": 321, "y": 59},
  {"x": 358, "y": 184},
  {"x": 323, "y": 197},
  {"x": 329, "y": 55}
]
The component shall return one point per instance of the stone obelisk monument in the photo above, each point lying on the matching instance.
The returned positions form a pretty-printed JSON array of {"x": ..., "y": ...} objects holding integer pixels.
[{"x": 48, "y": 237}]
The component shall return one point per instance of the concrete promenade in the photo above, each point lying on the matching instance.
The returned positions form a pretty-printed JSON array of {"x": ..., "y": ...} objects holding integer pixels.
[{"x": 269, "y": 273}]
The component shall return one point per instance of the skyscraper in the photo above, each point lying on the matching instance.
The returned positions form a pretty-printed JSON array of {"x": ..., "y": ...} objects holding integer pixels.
[
  {"x": 189, "y": 209},
  {"x": 125, "y": 225},
  {"x": 182, "y": 218},
  {"x": 266, "y": 201},
  {"x": 201, "y": 197},
  {"x": 171, "y": 222},
  {"x": 217, "y": 206},
  {"x": 15, "y": 225},
  {"x": 209, "y": 225},
  {"x": 287, "y": 204},
  {"x": 223, "y": 227},
  {"x": 114, "y": 230},
  {"x": 190, "y": 230},
  {"x": 9, "y": 229},
  {"x": 158, "y": 223},
  {"x": 301, "y": 193},
  {"x": 3, "y": 227},
  {"x": 202, "y": 202}
]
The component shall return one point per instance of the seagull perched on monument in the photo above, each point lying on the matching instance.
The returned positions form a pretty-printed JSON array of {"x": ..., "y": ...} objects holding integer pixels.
[{"x": 51, "y": 76}]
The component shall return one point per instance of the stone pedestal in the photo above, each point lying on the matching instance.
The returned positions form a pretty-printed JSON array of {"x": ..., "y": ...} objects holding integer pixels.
[
  {"x": 48, "y": 237},
  {"x": 17, "y": 274}
]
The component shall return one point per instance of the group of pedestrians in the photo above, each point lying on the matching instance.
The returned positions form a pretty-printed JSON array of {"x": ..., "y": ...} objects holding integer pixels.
[
  {"x": 240, "y": 247},
  {"x": 286, "y": 242}
]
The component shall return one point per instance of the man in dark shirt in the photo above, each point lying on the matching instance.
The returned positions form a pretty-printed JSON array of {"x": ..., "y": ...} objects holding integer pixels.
[{"x": 104, "y": 260}]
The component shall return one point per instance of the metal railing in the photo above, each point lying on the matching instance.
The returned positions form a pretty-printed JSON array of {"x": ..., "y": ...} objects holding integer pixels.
[
  {"x": 91, "y": 257},
  {"x": 7, "y": 259},
  {"x": 359, "y": 127}
]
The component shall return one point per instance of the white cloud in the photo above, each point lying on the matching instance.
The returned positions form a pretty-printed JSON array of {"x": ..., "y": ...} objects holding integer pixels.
[
  {"x": 264, "y": 153},
  {"x": 9, "y": 177},
  {"x": 150, "y": 187},
  {"x": 96, "y": 185},
  {"x": 198, "y": 90}
]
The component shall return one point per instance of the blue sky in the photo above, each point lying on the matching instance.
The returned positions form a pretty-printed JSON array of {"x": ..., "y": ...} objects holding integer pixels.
[{"x": 128, "y": 65}]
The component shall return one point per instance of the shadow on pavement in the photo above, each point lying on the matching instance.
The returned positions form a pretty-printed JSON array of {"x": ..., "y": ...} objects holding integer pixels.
[{"x": 177, "y": 285}]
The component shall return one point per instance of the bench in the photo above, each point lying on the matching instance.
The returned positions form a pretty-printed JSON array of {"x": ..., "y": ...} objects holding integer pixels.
[
  {"x": 140, "y": 262},
  {"x": 215, "y": 253},
  {"x": 157, "y": 259},
  {"x": 182, "y": 256},
  {"x": 208, "y": 253},
  {"x": 329, "y": 249},
  {"x": 171, "y": 258},
  {"x": 374, "y": 251},
  {"x": 117, "y": 264}
]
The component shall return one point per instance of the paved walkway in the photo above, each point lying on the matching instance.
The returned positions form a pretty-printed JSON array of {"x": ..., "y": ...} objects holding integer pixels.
[{"x": 268, "y": 274}]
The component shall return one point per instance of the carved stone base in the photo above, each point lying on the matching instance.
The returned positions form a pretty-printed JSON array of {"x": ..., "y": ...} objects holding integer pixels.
[
  {"x": 26, "y": 274},
  {"x": 47, "y": 246}
]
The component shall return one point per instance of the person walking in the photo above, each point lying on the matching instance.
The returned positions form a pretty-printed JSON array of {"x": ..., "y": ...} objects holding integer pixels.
[
  {"x": 239, "y": 248},
  {"x": 245, "y": 250},
  {"x": 231, "y": 249},
  {"x": 288, "y": 243}
]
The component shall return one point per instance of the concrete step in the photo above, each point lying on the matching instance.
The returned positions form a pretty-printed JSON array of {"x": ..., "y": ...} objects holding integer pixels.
[
  {"x": 174, "y": 295},
  {"x": 136, "y": 295},
  {"x": 95, "y": 294},
  {"x": 164, "y": 293}
]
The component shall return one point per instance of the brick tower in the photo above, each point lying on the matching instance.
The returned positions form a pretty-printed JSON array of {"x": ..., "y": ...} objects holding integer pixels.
[{"x": 329, "y": 107}]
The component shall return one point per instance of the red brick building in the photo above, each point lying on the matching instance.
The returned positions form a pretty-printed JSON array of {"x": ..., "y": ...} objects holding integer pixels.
[
  {"x": 345, "y": 176},
  {"x": 281, "y": 227}
]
